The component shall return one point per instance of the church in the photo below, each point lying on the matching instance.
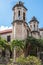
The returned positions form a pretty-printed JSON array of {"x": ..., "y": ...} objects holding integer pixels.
[{"x": 20, "y": 28}]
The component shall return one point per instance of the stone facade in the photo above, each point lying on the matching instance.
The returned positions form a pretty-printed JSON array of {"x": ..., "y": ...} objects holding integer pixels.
[
  {"x": 20, "y": 28},
  {"x": 41, "y": 33},
  {"x": 19, "y": 31}
]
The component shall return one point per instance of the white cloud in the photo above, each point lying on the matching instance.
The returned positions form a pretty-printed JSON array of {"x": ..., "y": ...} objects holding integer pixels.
[{"x": 5, "y": 27}]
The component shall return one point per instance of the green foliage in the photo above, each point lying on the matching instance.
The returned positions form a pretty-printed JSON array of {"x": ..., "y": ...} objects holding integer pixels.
[
  {"x": 4, "y": 45},
  {"x": 17, "y": 43},
  {"x": 32, "y": 45},
  {"x": 34, "y": 42},
  {"x": 30, "y": 60},
  {"x": 40, "y": 41}
]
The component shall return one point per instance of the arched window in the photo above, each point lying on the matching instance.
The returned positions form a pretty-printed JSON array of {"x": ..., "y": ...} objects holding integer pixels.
[
  {"x": 8, "y": 38},
  {"x": 34, "y": 26},
  {"x": 23, "y": 16},
  {"x": 30, "y": 26},
  {"x": 14, "y": 14},
  {"x": 18, "y": 13}
]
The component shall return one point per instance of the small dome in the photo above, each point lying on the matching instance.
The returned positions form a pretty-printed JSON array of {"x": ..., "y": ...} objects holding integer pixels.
[
  {"x": 19, "y": 4},
  {"x": 34, "y": 19}
]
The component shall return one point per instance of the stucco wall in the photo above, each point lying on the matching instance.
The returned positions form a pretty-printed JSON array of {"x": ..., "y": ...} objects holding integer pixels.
[
  {"x": 41, "y": 34},
  {"x": 36, "y": 35},
  {"x": 4, "y": 36}
]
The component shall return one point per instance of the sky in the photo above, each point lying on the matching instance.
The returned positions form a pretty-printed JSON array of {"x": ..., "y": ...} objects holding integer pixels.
[{"x": 35, "y": 8}]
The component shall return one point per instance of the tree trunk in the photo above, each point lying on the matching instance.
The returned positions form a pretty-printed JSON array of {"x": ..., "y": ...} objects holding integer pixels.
[{"x": 14, "y": 54}]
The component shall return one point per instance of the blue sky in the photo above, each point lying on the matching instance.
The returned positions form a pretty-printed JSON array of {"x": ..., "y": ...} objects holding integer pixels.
[{"x": 35, "y": 8}]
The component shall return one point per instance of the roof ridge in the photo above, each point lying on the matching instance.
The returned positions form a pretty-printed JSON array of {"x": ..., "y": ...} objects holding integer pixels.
[{"x": 6, "y": 31}]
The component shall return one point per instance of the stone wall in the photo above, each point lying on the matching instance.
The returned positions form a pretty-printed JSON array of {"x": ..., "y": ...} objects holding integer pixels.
[{"x": 19, "y": 31}]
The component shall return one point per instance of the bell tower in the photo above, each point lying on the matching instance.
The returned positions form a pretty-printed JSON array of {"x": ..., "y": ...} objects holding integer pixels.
[
  {"x": 34, "y": 27},
  {"x": 19, "y": 21},
  {"x": 34, "y": 24},
  {"x": 19, "y": 11}
]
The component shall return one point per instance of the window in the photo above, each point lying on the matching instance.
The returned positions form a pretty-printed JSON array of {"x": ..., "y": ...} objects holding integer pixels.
[
  {"x": 18, "y": 13},
  {"x": 8, "y": 38},
  {"x": 30, "y": 26},
  {"x": 14, "y": 14},
  {"x": 23, "y": 16},
  {"x": 37, "y": 26},
  {"x": 34, "y": 26}
]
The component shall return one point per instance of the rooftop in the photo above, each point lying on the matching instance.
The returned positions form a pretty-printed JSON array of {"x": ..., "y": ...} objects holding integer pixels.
[
  {"x": 6, "y": 31},
  {"x": 10, "y": 31}
]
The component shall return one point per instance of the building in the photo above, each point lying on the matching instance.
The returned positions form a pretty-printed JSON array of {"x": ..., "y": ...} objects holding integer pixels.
[{"x": 20, "y": 28}]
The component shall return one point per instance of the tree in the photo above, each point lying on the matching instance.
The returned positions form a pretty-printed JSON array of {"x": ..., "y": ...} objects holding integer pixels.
[
  {"x": 33, "y": 45},
  {"x": 17, "y": 43},
  {"x": 4, "y": 45},
  {"x": 18, "y": 46}
]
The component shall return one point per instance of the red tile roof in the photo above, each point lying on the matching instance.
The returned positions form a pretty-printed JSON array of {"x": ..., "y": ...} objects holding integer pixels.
[{"x": 6, "y": 31}]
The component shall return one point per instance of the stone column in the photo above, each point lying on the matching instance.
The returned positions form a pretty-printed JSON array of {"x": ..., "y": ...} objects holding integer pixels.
[{"x": 14, "y": 54}]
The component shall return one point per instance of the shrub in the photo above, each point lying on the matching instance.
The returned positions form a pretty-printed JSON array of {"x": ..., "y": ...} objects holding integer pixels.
[{"x": 30, "y": 60}]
